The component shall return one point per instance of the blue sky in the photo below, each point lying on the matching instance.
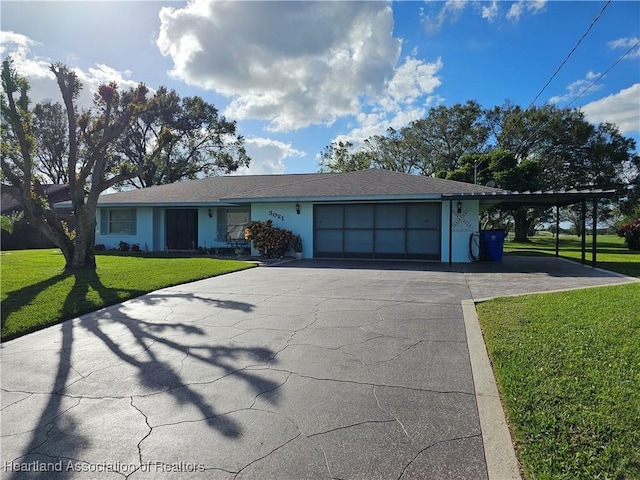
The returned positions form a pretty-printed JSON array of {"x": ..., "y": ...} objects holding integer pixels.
[{"x": 298, "y": 75}]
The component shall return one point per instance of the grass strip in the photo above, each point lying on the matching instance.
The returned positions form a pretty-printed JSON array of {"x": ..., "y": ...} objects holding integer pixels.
[
  {"x": 36, "y": 292},
  {"x": 612, "y": 253},
  {"x": 568, "y": 368}
]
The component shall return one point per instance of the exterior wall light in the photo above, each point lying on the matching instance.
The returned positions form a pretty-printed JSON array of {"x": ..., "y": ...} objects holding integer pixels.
[
  {"x": 297, "y": 208},
  {"x": 459, "y": 205},
  {"x": 210, "y": 213}
]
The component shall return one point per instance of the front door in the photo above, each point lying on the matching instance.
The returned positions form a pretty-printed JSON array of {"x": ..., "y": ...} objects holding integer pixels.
[{"x": 181, "y": 226}]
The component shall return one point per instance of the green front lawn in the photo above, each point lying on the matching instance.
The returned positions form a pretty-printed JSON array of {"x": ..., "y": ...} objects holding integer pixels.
[
  {"x": 568, "y": 368},
  {"x": 612, "y": 254},
  {"x": 36, "y": 292}
]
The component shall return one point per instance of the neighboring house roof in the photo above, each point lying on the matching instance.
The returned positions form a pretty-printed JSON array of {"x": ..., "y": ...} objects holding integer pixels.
[
  {"x": 55, "y": 193},
  {"x": 369, "y": 184}
]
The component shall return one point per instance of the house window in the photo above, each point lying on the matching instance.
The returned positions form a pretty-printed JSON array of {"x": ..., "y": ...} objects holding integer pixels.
[
  {"x": 118, "y": 221},
  {"x": 232, "y": 222}
]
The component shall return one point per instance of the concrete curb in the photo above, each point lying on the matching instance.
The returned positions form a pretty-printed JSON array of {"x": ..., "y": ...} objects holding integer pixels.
[{"x": 496, "y": 438}]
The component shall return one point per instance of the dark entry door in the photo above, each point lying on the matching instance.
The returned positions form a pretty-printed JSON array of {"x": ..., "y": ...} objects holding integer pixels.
[{"x": 181, "y": 226}]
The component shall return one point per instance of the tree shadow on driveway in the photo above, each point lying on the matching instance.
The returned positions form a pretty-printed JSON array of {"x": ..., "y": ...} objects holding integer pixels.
[{"x": 151, "y": 347}]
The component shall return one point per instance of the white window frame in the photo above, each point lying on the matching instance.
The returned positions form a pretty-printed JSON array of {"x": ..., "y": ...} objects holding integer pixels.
[
  {"x": 107, "y": 222},
  {"x": 223, "y": 226}
]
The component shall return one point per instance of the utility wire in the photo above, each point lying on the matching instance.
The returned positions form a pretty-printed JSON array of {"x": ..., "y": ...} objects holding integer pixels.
[
  {"x": 585, "y": 90},
  {"x": 570, "y": 53},
  {"x": 588, "y": 87},
  {"x": 540, "y": 127},
  {"x": 603, "y": 74}
]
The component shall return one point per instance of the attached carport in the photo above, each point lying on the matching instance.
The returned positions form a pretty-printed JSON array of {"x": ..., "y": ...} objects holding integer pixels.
[{"x": 548, "y": 199}]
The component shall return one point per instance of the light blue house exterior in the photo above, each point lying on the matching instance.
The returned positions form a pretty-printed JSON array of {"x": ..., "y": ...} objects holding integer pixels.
[{"x": 365, "y": 214}]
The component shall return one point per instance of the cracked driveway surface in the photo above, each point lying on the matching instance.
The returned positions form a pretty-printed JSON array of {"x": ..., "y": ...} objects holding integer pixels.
[
  {"x": 354, "y": 371},
  {"x": 288, "y": 372}
]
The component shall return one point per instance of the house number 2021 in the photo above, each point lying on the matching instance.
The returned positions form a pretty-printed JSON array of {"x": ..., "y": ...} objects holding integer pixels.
[{"x": 276, "y": 215}]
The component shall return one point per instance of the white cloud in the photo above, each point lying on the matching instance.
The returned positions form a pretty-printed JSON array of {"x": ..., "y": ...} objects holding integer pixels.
[
  {"x": 525, "y": 6},
  {"x": 626, "y": 44},
  {"x": 490, "y": 12},
  {"x": 291, "y": 64},
  {"x": 267, "y": 156},
  {"x": 413, "y": 79},
  {"x": 622, "y": 108},
  {"x": 577, "y": 88},
  {"x": 409, "y": 94},
  {"x": 451, "y": 11},
  {"x": 11, "y": 42},
  {"x": 42, "y": 81},
  {"x": 35, "y": 69}
]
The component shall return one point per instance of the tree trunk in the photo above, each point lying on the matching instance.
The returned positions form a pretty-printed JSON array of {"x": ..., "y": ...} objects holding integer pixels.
[
  {"x": 522, "y": 224},
  {"x": 84, "y": 251}
]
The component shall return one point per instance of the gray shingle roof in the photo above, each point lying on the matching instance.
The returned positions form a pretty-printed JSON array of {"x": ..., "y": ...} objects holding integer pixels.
[{"x": 230, "y": 189}]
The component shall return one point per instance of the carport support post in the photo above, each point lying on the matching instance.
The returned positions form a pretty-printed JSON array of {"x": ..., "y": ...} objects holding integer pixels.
[
  {"x": 557, "y": 230},
  {"x": 595, "y": 232},
  {"x": 450, "y": 232},
  {"x": 584, "y": 231}
]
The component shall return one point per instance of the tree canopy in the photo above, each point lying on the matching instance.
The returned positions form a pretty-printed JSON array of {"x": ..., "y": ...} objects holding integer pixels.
[
  {"x": 127, "y": 135},
  {"x": 545, "y": 147},
  {"x": 179, "y": 139}
]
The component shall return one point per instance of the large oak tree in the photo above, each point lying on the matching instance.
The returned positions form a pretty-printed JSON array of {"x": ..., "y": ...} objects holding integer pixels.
[
  {"x": 545, "y": 147},
  {"x": 180, "y": 139}
]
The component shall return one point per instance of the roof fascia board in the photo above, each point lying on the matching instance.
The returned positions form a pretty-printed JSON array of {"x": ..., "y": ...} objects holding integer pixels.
[
  {"x": 334, "y": 199},
  {"x": 159, "y": 204}
]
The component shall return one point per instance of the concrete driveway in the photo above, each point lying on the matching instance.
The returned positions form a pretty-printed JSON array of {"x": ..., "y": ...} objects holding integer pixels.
[{"x": 308, "y": 370}]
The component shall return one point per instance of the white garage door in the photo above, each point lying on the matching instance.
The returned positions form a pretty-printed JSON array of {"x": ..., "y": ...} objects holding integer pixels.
[{"x": 388, "y": 230}]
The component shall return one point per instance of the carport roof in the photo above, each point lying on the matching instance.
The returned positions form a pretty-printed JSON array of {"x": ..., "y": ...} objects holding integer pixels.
[
  {"x": 362, "y": 184},
  {"x": 541, "y": 198}
]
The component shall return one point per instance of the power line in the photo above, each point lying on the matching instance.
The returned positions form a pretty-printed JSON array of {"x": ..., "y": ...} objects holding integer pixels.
[
  {"x": 603, "y": 74},
  {"x": 570, "y": 53},
  {"x": 596, "y": 80}
]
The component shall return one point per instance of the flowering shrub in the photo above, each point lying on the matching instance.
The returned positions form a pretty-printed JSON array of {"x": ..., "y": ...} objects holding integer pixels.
[
  {"x": 631, "y": 233},
  {"x": 270, "y": 241}
]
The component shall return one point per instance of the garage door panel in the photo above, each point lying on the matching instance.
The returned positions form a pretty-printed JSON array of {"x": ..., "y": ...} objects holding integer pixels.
[
  {"x": 358, "y": 241},
  {"x": 329, "y": 216},
  {"x": 423, "y": 242},
  {"x": 423, "y": 215},
  {"x": 390, "y": 241},
  {"x": 358, "y": 216},
  {"x": 390, "y": 216},
  {"x": 330, "y": 241}
]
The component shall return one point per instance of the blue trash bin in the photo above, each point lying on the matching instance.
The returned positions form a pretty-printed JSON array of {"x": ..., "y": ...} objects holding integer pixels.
[{"x": 493, "y": 241}]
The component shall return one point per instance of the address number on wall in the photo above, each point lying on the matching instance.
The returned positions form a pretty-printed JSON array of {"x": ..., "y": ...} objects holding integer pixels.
[{"x": 276, "y": 215}]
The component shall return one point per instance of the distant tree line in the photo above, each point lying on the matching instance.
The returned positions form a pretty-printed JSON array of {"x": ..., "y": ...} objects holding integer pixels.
[{"x": 539, "y": 148}]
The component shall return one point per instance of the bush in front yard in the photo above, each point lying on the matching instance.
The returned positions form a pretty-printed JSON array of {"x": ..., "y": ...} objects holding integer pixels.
[
  {"x": 270, "y": 241},
  {"x": 631, "y": 233}
]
